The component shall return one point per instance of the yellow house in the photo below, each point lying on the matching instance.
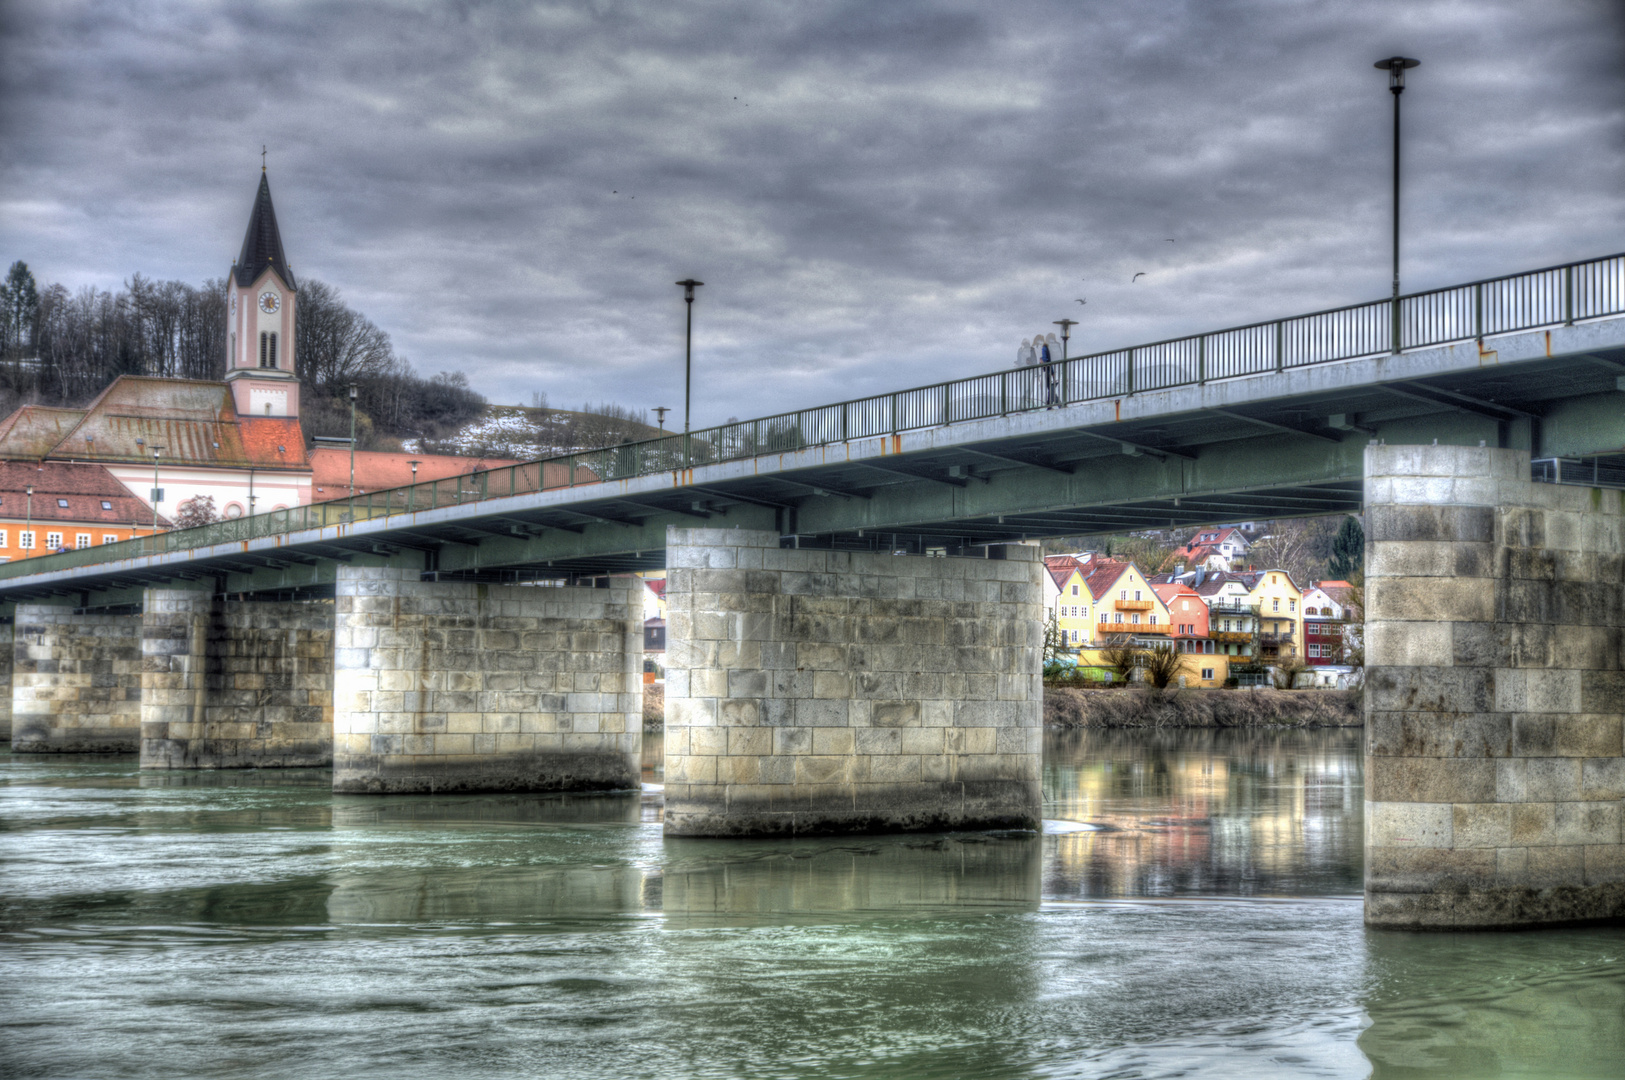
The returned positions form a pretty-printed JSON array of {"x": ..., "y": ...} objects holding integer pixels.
[
  {"x": 1280, "y": 613},
  {"x": 1067, "y": 599},
  {"x": 1123, "y": 602}
]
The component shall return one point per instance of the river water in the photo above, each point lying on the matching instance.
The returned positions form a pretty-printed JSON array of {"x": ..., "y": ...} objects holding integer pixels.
[{"x": 1192, "y": 910}]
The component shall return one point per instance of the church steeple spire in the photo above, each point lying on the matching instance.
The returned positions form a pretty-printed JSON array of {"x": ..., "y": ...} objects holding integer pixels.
[
  {"x": 262, "y": 244},
  {"x": 262, "y": 307}
]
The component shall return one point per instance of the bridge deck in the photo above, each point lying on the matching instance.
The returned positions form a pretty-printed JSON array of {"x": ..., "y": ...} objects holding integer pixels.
[{"x": 1174, "y": 440}]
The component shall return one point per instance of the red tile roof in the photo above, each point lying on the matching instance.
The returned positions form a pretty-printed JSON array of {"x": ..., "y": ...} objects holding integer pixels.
[
  {"x": 84, "y": 487},
  {"x": 1061, "y": 568},
  {"x": 656, "y": 586},
  {"x": 376, "y": 470},
  {"x": 1102, "y": 574}
]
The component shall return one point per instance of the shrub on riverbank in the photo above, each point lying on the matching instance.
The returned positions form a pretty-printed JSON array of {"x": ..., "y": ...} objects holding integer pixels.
[
  {"x": 1137, "y": 707},
  {"x": 654, "y": 706}
]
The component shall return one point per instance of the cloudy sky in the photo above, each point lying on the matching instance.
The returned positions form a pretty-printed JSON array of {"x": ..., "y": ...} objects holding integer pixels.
[{"x": 875, "y": 194}]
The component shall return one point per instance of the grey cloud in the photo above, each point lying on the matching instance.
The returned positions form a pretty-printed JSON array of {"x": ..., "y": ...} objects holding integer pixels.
[{"x": 899, "y": 193}]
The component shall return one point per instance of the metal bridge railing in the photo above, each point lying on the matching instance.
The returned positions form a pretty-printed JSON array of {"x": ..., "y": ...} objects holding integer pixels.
[{"x": 1552, "y": 296}]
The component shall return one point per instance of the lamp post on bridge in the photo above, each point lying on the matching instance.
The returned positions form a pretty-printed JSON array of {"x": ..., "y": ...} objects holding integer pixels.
[
  {"x": 689, "y": 285},
  {"x": 1066, "y": 326},
  {"x": 1396, "y": 66}
]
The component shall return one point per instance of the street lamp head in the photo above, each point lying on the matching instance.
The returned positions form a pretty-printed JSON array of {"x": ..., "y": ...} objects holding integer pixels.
[
  {"x": 352, "y": 391},
  {"x": 1396, "y": 66},
  {"x": 689, "y": 285}
]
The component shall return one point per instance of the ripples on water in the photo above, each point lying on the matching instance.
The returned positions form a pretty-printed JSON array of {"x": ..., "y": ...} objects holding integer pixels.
[{"x": 1193, "y": 910}]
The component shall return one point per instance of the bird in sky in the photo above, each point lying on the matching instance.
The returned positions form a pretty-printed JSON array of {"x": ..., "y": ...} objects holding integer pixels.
[
  {"x": 1169, "y": 239},
  {"x": 1136, "y": 277},
  {"x": 1082, "y": 301}
]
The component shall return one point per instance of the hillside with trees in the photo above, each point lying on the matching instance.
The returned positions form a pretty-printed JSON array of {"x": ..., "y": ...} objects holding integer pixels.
[{"x": 59, "y": 347}]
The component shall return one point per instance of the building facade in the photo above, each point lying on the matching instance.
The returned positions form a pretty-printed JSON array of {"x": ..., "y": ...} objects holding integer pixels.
[{"x": 50, "y": 506}]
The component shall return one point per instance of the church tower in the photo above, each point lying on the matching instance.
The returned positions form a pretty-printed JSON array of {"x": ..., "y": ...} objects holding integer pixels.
[{"x": 262, "y": 303}]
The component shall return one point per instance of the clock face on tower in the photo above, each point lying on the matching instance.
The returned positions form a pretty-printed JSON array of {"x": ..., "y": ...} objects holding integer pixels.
[{"x": 269, "y": 302}]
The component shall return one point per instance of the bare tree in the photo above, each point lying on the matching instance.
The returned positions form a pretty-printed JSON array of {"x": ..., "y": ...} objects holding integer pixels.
[
  {"x": 1121, "y": 655},
  {"x": 1163, "y": 664},
  {"x": 1289, "y": 545},
  {"x": 196, "y": 511},
  {"x": 337, "y": 345}
]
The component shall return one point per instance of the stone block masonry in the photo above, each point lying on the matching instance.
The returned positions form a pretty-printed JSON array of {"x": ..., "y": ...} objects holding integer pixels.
[
  {"x": 6, "y": 656},
  {"x": 1495, "y": 693},
  {"x": 231, "y": 684},
  {"x": 447, "y": 686},
  {"x": 75, "y": 682},
  {"x": 828, "y": 692}
]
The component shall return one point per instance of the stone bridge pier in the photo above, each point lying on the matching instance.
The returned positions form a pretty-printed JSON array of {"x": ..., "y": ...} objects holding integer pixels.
[
  {"x": 812, "y": 691},
  {"x": 453, "y": 686},
  {"x": 233, "y": 684},
  {"x": 1495, "y": 697},
  {"x": 75, "y": 682}
]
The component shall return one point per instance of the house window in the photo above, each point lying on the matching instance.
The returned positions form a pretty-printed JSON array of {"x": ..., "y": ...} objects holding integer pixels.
[
  {"x": 1274, "y": 580},
  {"x": 1103, "y": 616},
  {"x": 1119, "y": 617},
  {"x": 1074, "y": 590},
  {"x": 1277, "y": 605},
  {"x": 106, "y": 504},
  {"x": 63, "y": 503},
  {"x": 109, "y": 538},
  {"x": 2, "y": 538},
  {"x": 81, "y": 541},
  {"x": 25, "y": 540},
  {"x": 1153, "y": 620},
  {"x": 1207, "y": 674},
  {"x": 1136, "y": 594},
  {"x": 1136, "y": 619},
  {"x": 1122, "y": 594},
  {"x": 53, "y": 541},
  {"x": 1291, "y": 605}
]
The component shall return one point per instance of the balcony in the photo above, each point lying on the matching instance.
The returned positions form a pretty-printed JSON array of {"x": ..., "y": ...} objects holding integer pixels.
[
  {"x": 1147, "y": 628},
  {"x": 1239, "y": 636},
  {"x": 1133, "y": 605},
  {"x": 1234, "y": 607},
  {"x": 1283, "y": 638}
]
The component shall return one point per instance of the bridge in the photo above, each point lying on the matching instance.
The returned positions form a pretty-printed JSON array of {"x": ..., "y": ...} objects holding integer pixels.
[{"x": 475, "y": 633}]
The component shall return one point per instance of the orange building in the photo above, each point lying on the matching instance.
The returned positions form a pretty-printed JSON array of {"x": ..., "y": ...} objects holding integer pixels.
[{"x": 51, "y": 506}]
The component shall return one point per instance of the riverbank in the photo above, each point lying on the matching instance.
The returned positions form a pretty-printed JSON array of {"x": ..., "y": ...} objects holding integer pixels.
[{"x": 1065, "y": 707}]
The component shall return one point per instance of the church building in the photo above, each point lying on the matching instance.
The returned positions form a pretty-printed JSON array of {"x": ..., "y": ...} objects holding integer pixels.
[{"x": 237, "y": 441}]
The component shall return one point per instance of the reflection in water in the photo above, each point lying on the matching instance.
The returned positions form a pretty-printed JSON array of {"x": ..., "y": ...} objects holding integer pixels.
[
  {"x": 252, "y": 923},
  {"x": 1209, "y": 812},
  {"x": 962, "y": 873}
]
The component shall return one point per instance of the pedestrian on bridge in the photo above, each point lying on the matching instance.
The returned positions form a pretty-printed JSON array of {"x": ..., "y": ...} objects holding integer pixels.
[
  {"x": 1045, "y": 357},
  {"x": 1027, "y": 357}
]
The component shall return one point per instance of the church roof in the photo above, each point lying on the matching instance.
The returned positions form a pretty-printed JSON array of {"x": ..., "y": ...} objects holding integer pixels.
[
  {"x": 194, "y": 421},
  {"x": 33, "y": 431},
  {"x": 262, "y": 244}
]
